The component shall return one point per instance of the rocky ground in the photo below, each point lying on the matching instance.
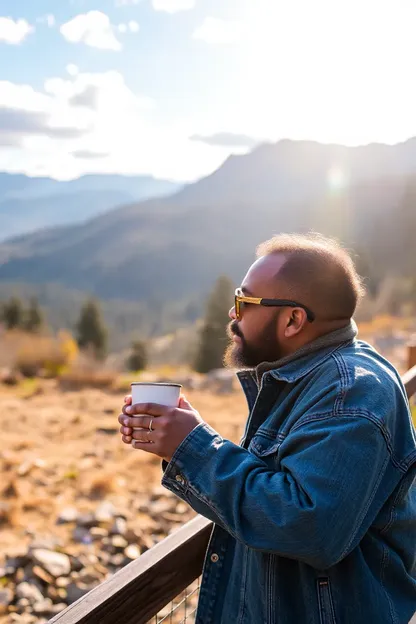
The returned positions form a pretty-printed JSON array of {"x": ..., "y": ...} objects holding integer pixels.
[{"x": 77, "y": 504}]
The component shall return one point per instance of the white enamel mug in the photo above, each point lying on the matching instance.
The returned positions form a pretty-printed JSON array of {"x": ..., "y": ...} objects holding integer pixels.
[{"x": 160, "y": 393}]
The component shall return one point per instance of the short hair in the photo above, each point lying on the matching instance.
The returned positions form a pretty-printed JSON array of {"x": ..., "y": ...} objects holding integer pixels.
[{"x": 318, "y": 272}]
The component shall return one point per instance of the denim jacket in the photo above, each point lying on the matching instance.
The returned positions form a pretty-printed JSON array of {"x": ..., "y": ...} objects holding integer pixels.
[{"x": 315, "y": 510}]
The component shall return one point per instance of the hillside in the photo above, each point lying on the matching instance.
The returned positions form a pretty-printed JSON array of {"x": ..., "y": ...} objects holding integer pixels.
[
  {"x": 163, "y": 250},
  {"x": 28, "y": 204}
]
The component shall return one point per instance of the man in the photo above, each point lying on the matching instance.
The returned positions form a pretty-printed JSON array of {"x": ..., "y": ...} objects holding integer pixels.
[{"x": 315, "y": 511}]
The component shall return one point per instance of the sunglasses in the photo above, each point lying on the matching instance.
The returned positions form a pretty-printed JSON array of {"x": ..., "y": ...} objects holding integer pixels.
[{"x": 240, "y": 299}]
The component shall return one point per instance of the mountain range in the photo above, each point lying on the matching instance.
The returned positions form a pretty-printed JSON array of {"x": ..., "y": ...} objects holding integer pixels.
[
  {"x": 168, "y": 250},
  {"x": 28, "y": 204}
]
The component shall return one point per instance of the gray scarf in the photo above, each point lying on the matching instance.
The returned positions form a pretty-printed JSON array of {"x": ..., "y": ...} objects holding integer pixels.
[{"x": 334, "y": 338}]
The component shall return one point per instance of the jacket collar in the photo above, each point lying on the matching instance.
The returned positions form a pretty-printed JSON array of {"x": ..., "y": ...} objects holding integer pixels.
[{"x": 292, "y": 367}]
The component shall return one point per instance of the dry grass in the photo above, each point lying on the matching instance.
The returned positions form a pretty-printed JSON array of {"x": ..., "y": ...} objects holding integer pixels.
[{"x": 88, "y": 377}]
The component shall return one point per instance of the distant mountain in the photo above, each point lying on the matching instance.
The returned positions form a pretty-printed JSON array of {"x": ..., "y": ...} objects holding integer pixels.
[
  {"x": 28, "y": 204},
  {"x": 165, "y": 250},
  {"x": 296, "y": 171}
]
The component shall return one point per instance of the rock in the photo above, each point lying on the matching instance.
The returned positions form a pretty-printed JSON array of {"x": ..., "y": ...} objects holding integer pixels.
[
  {"x": 108, "y": 430},
  {"x": 25, "y": 468},
  {"x": 74, "y": 592},
  {"x": 82, "y": 535},
  {"x": 119, "y": 542},
  {"x": 57, "y": 564},
  {"x": 44, "y": 607},
  {"x": 90, "y": 576},
  {"x": 162, "y": 505},
  {"x": 23, "y": 605},
  {"x": 62, "y": 581},
  {"x": 86, "y": 520},
  {"x": 46, "y": 542},
  {"x": 132, "y": 552},
  {"x": 29, "y": 591},
  {"x": 69, "y": 514},
  {"x": 10, "y": 377},
  {"x": 119, "y": 527},
  {"x": 118, "y": 560},
  {"x": 105, "y": 512},
  {"x": 76, "y": 563},
  {"x": 5, "y": 512},
  {"x": 42, "y": 575},
  {"x": 10, "y": 491},
  {"x": 98, "y": 533},
  {"x": 6, "y": 597}
]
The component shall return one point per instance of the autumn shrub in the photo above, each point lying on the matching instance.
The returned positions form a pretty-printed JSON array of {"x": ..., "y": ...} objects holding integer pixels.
[
  {"x": 37, "y": 354},
  {"x": 46, "y": 355}
]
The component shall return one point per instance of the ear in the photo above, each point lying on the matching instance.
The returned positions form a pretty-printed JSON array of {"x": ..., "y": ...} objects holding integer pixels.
[{"x": 295, "y": 323}]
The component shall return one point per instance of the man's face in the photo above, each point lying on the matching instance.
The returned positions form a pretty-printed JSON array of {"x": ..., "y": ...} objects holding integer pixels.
[{"x": 254, "y": 338}]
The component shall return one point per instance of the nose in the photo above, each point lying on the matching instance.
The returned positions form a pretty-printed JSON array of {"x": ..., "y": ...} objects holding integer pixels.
[{"x": 232, "y": 314}]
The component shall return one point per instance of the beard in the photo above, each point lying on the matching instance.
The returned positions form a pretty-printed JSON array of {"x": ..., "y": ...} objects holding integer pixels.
[{"x": 249, "y": 355}]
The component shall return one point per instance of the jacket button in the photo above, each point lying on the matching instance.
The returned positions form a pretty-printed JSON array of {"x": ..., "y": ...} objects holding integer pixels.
[
  {"x": 214, "y": 557},
  {"x": 179, "y": 478}
]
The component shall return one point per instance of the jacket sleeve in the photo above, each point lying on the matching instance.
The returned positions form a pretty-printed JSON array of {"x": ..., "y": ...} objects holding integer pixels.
[
  {"x": 185, "y": 494},
  {"x": 332, "y": 477}
]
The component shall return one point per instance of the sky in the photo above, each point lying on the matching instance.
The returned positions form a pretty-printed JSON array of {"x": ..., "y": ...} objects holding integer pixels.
[{"x": 171, "y": 88}]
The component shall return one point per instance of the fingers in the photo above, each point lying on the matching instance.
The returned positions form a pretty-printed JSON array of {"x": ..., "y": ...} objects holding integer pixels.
[
  {"x": 126, "y": 439},
  {"x": 145, "y": 446},
  {"x": 127, "y": 399},
  {"x": 184, "y": 403},
  {"x": 126, "y": 431},
  {"x": 152, "y": 409},
  {"x": 143, "y": 422}
]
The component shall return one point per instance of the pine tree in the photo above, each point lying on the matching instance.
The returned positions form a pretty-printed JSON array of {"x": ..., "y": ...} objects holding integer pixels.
[
  {"x": 213, "y": 338},
  {"x": 33, "y": 318},
  {"x": 138, "y": 357},
  {"x": 91, "y": 331},
  {"x": 13, "y": 313}
]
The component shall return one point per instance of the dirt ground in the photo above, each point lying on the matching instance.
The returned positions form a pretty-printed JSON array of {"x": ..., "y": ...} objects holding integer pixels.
[{"x": 62, "y": 449}]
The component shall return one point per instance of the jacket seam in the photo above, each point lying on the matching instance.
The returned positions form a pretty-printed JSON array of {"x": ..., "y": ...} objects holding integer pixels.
[
  {"x": 365, "y": 509},
  {"x": 357, "y": 413},
  {"x": 344, "y": 379}
]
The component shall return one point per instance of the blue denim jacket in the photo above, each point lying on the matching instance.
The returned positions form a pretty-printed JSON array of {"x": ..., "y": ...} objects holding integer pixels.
[{"x": 315, "y": 511}]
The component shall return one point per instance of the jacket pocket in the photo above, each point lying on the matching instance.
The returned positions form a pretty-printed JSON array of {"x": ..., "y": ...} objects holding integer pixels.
[
  {"x": 263, "y": 444},
  {"x": 326, "y": 605}
]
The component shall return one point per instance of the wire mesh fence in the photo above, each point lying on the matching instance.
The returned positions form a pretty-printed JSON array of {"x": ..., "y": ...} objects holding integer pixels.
[{"x": 182, "y": 609}]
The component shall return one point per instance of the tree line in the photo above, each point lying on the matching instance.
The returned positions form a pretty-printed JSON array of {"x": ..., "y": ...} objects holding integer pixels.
[{"x": 91, "y": 332}]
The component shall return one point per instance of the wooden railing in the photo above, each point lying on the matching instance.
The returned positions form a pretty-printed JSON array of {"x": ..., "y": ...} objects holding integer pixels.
[{"x": 140, "y": 590}]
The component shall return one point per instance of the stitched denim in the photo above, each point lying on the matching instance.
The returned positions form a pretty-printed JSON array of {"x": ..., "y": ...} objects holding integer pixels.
[{"x": 315, "y": 510}]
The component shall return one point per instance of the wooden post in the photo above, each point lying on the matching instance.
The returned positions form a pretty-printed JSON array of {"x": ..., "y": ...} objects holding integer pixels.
[{"x": 411, "y": 355}]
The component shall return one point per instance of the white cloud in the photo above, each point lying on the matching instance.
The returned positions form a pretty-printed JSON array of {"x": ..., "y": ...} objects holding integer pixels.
[
  {"x": 14, "y": 32},
  {"x": 173, "y": 6},
  {"x": 218, "y": 31},
  {"x": 94, "y": 29},
  {"x": 94, "y": 123},
  {"x": 121, "y": 3},
  {"x": 49, "y": 20},
  {"x": 132, "y": 27},
  {"x": 72, "y": 69}
]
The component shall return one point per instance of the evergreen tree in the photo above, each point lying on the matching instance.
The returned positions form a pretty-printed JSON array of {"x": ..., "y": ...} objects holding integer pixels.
[
  {"x": 13, "y": 313},
  {"x": 213, "y": 338},
  {"x": 33, "y": 318},
  {"x": 91, "y": 331},
  {"x": 138, "y": 358}
]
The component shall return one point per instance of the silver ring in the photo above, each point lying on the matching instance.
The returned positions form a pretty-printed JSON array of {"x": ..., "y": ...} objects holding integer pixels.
[{"x": 150, "y": 425}]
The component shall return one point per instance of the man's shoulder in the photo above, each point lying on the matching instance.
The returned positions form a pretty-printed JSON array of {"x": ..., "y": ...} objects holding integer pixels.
[{"x": 360, "y": 365}]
